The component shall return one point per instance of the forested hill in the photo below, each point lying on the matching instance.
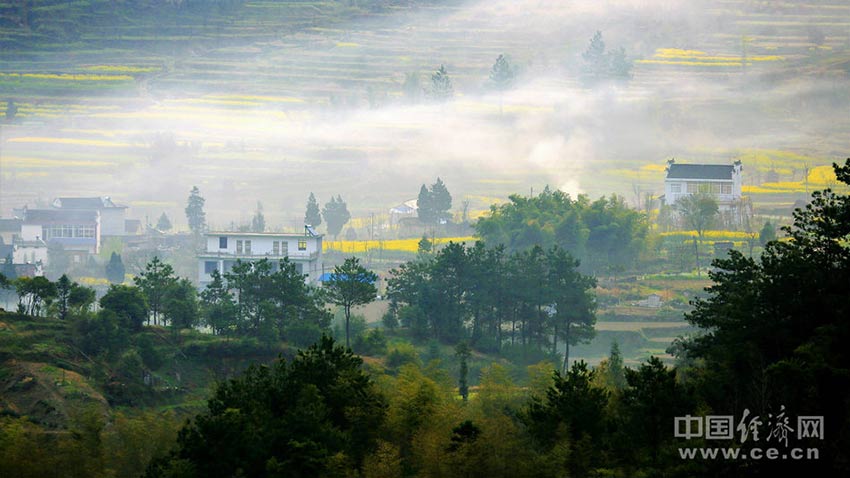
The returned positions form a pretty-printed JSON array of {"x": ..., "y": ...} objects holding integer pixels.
[{"x": 32, "y": 27}]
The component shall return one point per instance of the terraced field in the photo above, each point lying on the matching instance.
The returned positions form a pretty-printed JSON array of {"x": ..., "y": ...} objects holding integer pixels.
[{"x": 271, "y": 100}]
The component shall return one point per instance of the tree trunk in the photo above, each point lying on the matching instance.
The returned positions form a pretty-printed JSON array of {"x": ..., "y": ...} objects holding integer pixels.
[
  {"x": 347, "y": 320},
  {"x": 696, "y": 248},
  {"x": 566, "y": 348}
]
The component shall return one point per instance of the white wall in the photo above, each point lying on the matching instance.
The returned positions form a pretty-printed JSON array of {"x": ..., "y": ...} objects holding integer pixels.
[
  {"x": 112, "y": 221},
  {"x": 31, "y": 255},
  {"x": 263, "y": 245}
]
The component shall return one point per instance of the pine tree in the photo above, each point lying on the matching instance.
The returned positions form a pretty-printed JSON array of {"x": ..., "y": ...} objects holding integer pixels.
[
  {"x": 115, "y": 269},
  {"x": 424, "y": 206},
  {"x": 336, "y": 215},
  {"x": 163, "y": 224},
  {"x": 442, "y": 200},
  {"x": 313, "y": 216},
  {"x": 502, "y": 76},
  {"x": 195, "y": 211},
  {"x": 258, "y": 222},
  {"x": 441, "y": 85},
  {"x": 767, "y": 234},
  {"x": 596, "y": 64}
]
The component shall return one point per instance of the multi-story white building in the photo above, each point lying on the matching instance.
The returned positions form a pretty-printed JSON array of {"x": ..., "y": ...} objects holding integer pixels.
[
  {"x": 77, "y": 231},
  {"x": 723, "y": 181},
  {"x": 112, "y": 216},
  {"x": 223, "y": 249}
]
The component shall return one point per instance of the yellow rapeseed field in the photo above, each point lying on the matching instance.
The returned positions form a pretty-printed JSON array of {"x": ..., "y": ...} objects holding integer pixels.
[
  {"x": 67, "y": 76},
  {"x": 71, "y": 141},
  {"x": 403, "y": 245},
  {"x": 709, "y": 234},
  {"x": 675, "y": 56},
  {"x": 122, "y": 68}
]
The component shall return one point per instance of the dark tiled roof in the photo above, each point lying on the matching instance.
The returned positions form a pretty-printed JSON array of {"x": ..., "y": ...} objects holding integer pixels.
[
  {"x": 700, "y": 171},
  {"x": 85, "y": 203},
  {"x": 10, "y": 225},
  {"x": 59, "y": 216}
]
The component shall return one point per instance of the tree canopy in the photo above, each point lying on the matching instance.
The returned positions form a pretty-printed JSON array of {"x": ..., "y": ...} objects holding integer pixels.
[
  {"x": 195, "y": 211},
  {"x": 433, "y": 203},
  {"x": 336, "y": 215},
  {"x": 604, "y": 233},
  {"x": 441, "y": 85},
  {"x": 312, "y": 216},
  {"x": 351, "y": 284},
  {"x": 781, "y": 322},
  {"x": 312, "y": 416}
]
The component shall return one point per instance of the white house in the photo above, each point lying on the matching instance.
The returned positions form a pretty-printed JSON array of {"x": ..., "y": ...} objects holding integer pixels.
[
  {"x": 111, "y": 214},
  {"x": 406, "y": 209},
  {"x": 223, "y": 249},
  {"x": 77, "y": 231},
  {"x": 723, "y": 181}
]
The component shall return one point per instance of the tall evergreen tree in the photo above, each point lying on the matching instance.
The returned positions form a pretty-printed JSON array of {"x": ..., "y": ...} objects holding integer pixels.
[
  {"x": 312, "y": 216},
  {"x": 163, "y": 224},
  {"x": 441, "y": 200},
  {"x": 154, "y": 282},
  {"x": 425, "y": 206},
  {"x": 336, "y": 215},
  {"x": 441, "y": 85},
  {"x": 595, "y": 61},
  {"x": 115, "y": 269},
  {"x": 64, "y": 286},
  {"x": 767, "y": 233},
  {"x": 195, "y": 211},
  {"x": 258, "y": 222},
  {"x": 502, "y": 76}
]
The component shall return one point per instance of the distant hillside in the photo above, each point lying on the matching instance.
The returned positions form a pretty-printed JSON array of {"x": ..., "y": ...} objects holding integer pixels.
[
  {"x": 30, "y": 27},
  {"x": 44, "y": 375}
]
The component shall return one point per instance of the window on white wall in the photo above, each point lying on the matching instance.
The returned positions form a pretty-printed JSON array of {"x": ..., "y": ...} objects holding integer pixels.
[
  {"x": 238, "y": 246},
  {"x": 675, "y": 188}
]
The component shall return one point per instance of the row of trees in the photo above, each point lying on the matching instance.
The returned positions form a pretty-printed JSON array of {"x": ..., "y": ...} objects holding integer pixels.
[
  {"x": 605, "y": 234},
  {"x": 265, "y": 299},
  {"x": 535, "y": 298},
  {"x": 599, "y": 64}
]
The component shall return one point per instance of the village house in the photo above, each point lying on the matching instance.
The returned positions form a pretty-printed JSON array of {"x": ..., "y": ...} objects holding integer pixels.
[
  {"x": 223, "y": 249},
  {"x": 722, "y": 181},
  {"x": 76, "y": 231},
  {"x": 112, "y": 216}
]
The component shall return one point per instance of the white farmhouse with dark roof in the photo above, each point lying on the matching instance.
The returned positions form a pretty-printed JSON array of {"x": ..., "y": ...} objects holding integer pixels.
[
  {"x": 723, "y": 181},
  {"x": 111, "y": 214},
  {"x": 223, "y": 249}
]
